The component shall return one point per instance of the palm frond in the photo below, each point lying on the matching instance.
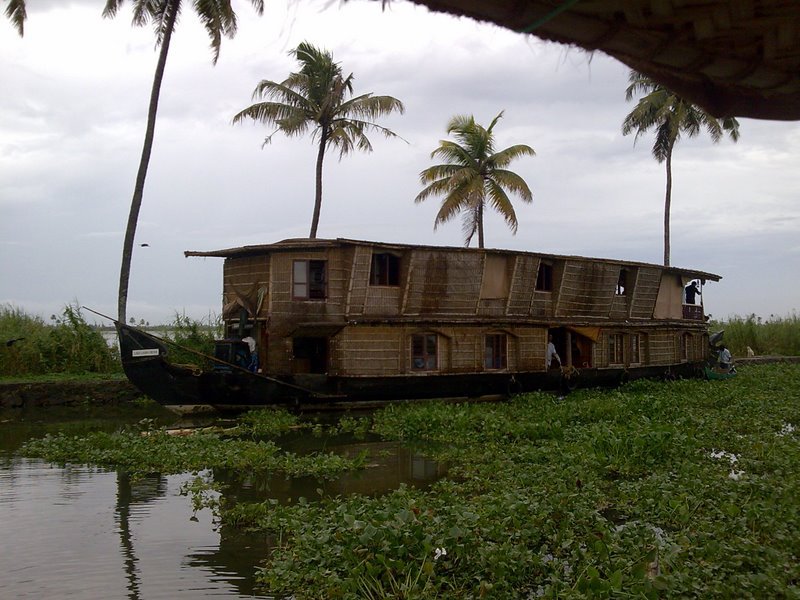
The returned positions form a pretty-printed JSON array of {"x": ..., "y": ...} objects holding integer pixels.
[
  {"x": 499, "y": 201},
  {"x": 513, "y": 183},
  {"x": 16, "y": 13}
]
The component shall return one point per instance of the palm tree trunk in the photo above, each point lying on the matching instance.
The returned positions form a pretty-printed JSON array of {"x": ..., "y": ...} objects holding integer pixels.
[
  {"x": 323, "y": 139},
  {"x": 667, "y": 203},
  {"x": 138, "y": 191},
  {"x": 480, "y": 225}
]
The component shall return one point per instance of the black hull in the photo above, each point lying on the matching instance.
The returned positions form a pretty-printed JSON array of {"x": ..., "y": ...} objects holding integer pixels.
[{"x": 184, "y": 388}]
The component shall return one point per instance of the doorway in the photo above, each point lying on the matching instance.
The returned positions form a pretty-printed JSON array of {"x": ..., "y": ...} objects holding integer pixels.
[{"x": 310, "y": 355}]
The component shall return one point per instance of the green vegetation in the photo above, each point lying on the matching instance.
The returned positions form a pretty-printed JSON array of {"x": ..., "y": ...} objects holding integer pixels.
[
  {"x": 655, "y": 489},
  {"x": 157, "y": 451},
  {"x": 29, "y": 346},
  {"x": 679, "y": 489},
  {"x": 776, "y": 335},
  {"x": 191, "y": 337},
  {"x": 69, "y": 348}
]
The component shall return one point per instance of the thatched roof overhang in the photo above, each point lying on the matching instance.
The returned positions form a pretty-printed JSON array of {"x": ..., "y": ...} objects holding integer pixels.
[
  {"x": 732, "y": 57},
  {"x": 307, "y": 244}
]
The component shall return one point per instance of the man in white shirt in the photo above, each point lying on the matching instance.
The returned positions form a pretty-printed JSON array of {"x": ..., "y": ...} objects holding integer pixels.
[{"x": 551, "y": 353}]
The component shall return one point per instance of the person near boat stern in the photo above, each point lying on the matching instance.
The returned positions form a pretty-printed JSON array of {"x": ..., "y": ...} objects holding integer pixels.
[
  {"x": 725, "y": 358},
  {"x": 251, "y": 343}
]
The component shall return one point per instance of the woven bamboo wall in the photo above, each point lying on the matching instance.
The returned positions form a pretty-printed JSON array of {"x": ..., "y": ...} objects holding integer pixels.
[
  {"x": 375, "y": 351},
  {"x": 586, "y": 289},
  {"x": 369, "y": 352},
  {"x": 645, "y": 293},
  {"x": 361, "y": 259},
  {"x": 531, "y": 342},
  {"x": 662, "y": 347},
  {"x": 442, "y": 282},
  {"x": 523, "y": 284},
  {"x": 242, "y": 278}
]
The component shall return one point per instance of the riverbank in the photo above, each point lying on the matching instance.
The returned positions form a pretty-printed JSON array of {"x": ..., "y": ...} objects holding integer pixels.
[{"x": 66, "y": 391}]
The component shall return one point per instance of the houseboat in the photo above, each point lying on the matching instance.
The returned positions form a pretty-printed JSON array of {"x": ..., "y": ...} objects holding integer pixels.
[{"x": 312, "y": 323}]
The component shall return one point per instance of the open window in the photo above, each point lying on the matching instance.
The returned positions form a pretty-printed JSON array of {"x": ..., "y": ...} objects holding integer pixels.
[
  {"x": 309, "y": 280},
  {"x": 496, "y": 351},
  {"x": 385, "y": 269},
  {"x": 544, "y": 277},
  {"x": 622, "y": 283},
  {"x": 424, "y": 352}
]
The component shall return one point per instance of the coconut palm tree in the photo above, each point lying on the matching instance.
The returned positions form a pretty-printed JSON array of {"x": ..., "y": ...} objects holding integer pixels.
[
  {"x": 318, "y": 96},
  {"x": 219, "y": 19},
  {"x": 474, "y": 175},
  {"x": 15, "y": 11},
  {"x": 670, "y": 116}
]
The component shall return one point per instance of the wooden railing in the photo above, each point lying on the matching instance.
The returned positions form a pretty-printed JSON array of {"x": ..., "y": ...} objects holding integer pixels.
[{"x": 693, "y": 312}]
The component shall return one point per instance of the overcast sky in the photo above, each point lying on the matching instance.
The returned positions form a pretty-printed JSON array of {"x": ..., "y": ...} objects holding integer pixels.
[{"x": 73, "y": 113}]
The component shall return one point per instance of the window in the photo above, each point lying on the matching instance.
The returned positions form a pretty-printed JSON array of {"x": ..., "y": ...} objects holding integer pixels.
[
  {"x": 496, "y": 351},
  {"x": 544, "y": 278},
  {"x": 385, "y": 269},
  {"x": 423, "y": 352},
  {"x": 622, "y": 282},
  {"x": 616, "y": 354},
  {"x": 308, "y": 280},
  {"x": 636, "y": 349}
]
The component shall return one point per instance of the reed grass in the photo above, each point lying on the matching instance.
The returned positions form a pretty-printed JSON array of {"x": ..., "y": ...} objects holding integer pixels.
[
  {"x": 30, "y": 346},
  {"x": 773, "y": 336}
]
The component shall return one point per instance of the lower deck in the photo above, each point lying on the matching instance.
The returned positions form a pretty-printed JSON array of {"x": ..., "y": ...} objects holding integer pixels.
[{"x": 390, "y": 350}]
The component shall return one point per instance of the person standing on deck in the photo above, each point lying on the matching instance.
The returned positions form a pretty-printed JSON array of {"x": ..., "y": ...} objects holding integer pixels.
[
  {"x": 551, "y": 353},
  {"x": 692, "y": 291}
]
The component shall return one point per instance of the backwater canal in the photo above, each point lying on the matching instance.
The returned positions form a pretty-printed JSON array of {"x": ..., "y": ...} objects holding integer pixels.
[{"x": 76, "y": 531}]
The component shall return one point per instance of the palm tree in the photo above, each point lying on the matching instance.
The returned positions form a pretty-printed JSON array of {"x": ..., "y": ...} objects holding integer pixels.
[
  {"x": 219, "y": 19},
  {"x": 15, "y": 11},
  {"x": 473, "y": 175},
  {"x": 319, "y": 96},
  {"x": 670, "y": 116}
]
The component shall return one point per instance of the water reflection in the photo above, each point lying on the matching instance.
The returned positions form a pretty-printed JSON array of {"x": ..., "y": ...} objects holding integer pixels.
[{"x": 90, "y": 533}]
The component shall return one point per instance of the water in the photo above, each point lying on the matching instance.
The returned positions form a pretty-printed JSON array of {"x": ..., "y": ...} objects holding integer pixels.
[{"x": 82, "y": 532}]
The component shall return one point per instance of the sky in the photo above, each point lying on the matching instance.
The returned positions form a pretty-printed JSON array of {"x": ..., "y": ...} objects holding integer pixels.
[{"x": 75, "y": 91}]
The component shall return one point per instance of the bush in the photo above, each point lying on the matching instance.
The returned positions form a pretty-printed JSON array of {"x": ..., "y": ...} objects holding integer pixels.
[
  {"x": 192, "y": 338},
  {"x": 776, "y": 335},
  {"x": 70, "y": 345}
]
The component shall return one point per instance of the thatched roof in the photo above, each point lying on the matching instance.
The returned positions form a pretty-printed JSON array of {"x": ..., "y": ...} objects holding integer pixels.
[
  {"x": 732, "y": 57},
  {"x": 302, "y": 244}
]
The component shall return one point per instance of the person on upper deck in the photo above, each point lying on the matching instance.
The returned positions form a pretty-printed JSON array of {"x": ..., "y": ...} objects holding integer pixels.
[{"x": 692, "y": 291}]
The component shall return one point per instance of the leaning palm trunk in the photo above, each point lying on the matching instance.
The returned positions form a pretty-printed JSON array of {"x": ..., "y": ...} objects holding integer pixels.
[{"x": 138, "y": 191}]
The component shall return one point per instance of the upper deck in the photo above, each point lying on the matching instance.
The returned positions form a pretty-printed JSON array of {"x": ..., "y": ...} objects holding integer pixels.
[{"x": 351, "y": 280}]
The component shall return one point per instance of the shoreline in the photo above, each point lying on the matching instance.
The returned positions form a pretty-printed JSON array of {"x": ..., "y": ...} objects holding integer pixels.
[{"x": 42, "y": 394}]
